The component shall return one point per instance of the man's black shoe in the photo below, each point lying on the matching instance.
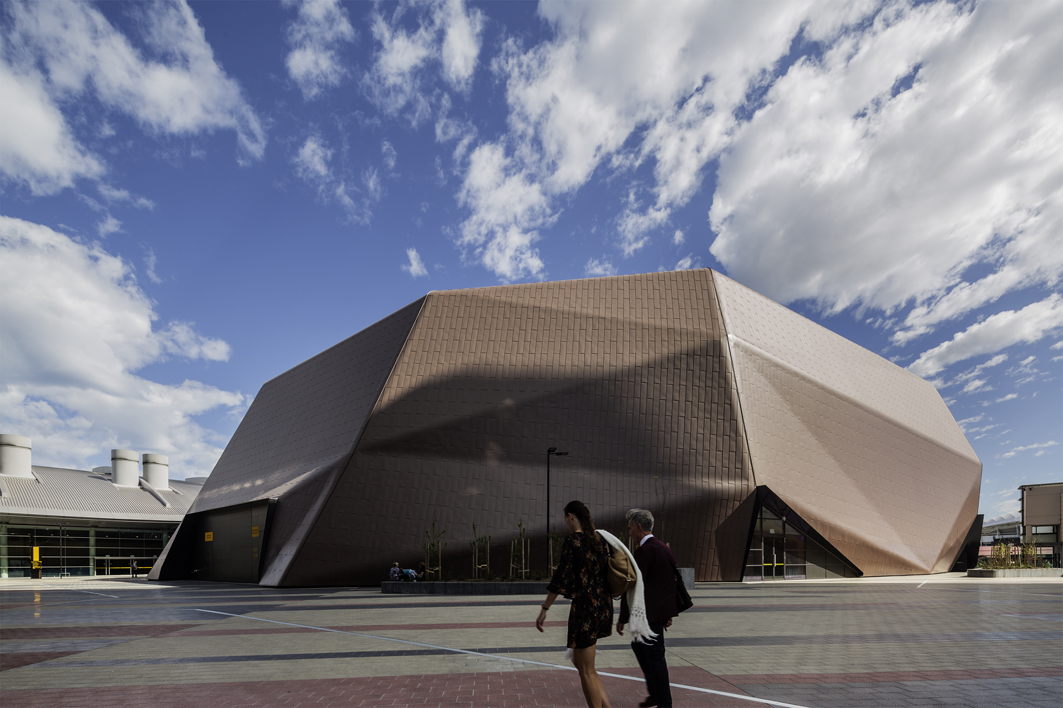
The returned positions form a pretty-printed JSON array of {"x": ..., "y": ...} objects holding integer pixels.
[{"x": 650, "y": 702}]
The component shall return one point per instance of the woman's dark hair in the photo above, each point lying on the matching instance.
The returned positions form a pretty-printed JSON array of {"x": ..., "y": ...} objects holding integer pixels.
[{"x": 581, "y": 512}]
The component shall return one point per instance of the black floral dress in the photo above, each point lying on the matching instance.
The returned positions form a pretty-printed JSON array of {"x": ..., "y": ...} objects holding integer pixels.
[{"x": 581, "y": 576}]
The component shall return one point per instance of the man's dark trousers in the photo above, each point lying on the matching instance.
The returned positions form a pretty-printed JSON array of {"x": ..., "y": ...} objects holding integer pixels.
[{"x": 654, "y": 667}]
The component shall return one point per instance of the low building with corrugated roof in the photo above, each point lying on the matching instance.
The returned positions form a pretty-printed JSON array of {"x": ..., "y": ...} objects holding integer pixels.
[{"x": 67, "y": 522}]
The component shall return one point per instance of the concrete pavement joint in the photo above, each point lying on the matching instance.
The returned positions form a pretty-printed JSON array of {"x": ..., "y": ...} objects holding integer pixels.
[{"x": 509, "y": 658}]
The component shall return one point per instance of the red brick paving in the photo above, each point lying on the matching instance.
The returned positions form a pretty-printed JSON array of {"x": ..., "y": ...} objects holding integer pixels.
[
  {"x": 94, "y": 631},
  {"x": 14, "y": 660},
  {"x": 501, "y": 689},
  {"x": 889, "y": 676},
  {"x": 376, "y": 628}
]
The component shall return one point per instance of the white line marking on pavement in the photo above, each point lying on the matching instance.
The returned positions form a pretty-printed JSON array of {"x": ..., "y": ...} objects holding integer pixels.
[
  {"x": 921, "y": 584},
  {"x": 506, "y": 658},
  {"x": 97, "y": 593}
]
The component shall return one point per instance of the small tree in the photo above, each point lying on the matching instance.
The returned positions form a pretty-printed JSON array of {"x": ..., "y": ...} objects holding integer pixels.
[
  {"x": 556, "y": 541},
  {"x": 433, "y": 554},
  {"x": 481, "y": 555},
  {"x": 519, "y": 552}
]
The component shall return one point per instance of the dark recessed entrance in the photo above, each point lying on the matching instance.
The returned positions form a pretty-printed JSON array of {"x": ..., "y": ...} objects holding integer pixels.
[{"x": 782, "y": 546}]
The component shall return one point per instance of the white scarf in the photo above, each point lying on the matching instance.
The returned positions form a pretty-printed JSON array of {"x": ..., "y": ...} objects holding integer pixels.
[{"x": 638, "y": 625}]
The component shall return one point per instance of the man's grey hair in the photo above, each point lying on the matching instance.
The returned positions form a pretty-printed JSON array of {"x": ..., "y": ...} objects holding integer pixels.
[{"x": 641, "y": 517}]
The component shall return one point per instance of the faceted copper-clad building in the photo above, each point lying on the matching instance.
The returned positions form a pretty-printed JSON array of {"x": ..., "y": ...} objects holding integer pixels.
[{"x": 766, "y": 445}]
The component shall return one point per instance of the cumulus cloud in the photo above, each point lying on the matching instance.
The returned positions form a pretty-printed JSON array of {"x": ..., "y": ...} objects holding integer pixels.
[
  {"x": 507, "y": 211},
  {"x": 108, "y": 225},
  {"x": 633, "y": 83},
  {"x": 36, "y": 145},
  {"x": 596, "y": 268},
  {"x": 313, "y": 165},
  {"x": 678, "y": 238},
  {"x": 919, "y": 145},
  {"x": 414, "y": 37},
  {"x": 117, "y": 196},
  {"x": 688, "y": 262},
  {"x": 415, "y": 267},
  {"x": 55, "y": 54},
  {"x": 75, "y": 327},
  {"x": 315, "y": 38},
  {"x": 996, "y": 332},
  {"x": 1036, "y": 446}
]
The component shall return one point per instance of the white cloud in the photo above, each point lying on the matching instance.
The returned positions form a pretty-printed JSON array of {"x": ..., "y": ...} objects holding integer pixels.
[
  {"x": 678, "y": 238},
  {"x": 416, "y": 266},
  {"x": 56, "y": 53},
  {"x": 36, "y": 145},
  {"x": 391, "y": 157},
  {"x": 313, "y": 165},
  {"x": 507, "y": 210},
  {"x": 447, "y": 33},
  {"x": 596, "y": 268},
  {"x": 75, "y": 327},
  {"x": 688, "y": 262},
  {"x": 316, "y": 37},
  {"x": 1009, "y": 397},
  {"x": 1036, "y": 446},
  {"x": 918, "y": 146},
  {"x": 993, "y": 334},
  {"x": 150, "y": 261},
  {"x": 108, "y": 225},
  {"x": 311, "y": 162},
  {"x": 115, "y": 195}
]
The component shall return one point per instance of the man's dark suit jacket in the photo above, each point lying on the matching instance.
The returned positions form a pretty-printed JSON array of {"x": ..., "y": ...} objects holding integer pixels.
[{"x": 657, "y": 563}]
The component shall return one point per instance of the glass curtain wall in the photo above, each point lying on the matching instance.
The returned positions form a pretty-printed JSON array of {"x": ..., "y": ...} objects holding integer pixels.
[
  {"x": 780, "y": 550},
  {"x": 78, "y": 551}
]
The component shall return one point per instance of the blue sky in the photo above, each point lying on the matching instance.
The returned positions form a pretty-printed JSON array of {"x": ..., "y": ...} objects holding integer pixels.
[{"x": 197, "y": 197}]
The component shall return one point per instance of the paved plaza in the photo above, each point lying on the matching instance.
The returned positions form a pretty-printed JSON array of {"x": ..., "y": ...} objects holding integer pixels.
[{"x": 933, "y": 640}]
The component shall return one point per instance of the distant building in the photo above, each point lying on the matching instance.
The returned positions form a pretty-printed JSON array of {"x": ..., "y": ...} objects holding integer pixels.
[
  {"x": 1042, "y": 519},
  {"x": 78, "y": 522},
  {"x": 1002, "y": 529},
  {"x": 767, "y": 446}
]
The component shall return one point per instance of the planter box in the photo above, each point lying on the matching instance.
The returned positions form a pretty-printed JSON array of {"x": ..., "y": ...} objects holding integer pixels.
[
  {"x": 457, "y": 587},
  {"x": 1015, "y": 573}
]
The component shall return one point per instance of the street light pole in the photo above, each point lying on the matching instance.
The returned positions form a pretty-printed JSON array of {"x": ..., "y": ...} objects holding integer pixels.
[{"x": 550, "y": 452}]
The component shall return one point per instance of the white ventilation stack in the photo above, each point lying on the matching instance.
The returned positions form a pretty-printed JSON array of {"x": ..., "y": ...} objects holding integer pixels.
[
  {"x": 125, "y": 468},
  {"x": 157, "y": 471},
  {"x": 15, "y": 456}
]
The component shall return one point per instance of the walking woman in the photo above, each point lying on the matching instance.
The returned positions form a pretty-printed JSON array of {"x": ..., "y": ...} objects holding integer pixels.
[{"x": 582, "y": 576}]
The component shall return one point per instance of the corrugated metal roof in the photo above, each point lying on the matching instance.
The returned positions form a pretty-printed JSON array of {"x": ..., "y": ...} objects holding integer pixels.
[{"x": 86, "y": 495}]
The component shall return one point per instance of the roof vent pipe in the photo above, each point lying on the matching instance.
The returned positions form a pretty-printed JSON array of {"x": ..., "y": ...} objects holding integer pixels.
[
  {"x": 157, "y": 471},
  {"x": 15, "y": 456},
  {"x": 125, "y": 468}
]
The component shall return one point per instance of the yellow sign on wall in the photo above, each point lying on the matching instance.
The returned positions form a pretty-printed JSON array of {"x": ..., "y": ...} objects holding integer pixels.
[
  {"x": 208, "y": 536},
  {"x": 37, "y": 553},
  {"x": 254, "y": 532}
]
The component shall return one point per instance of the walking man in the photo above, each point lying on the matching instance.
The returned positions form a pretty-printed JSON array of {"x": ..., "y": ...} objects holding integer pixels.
[{"x": 657, "y": 563}]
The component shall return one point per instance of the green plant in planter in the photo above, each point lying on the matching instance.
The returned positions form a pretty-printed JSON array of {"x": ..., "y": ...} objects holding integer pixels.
[
  {"x": 433, "y": 554},
  {"x": 481, "y": 555},
  {"x": 519, "y": 551}
]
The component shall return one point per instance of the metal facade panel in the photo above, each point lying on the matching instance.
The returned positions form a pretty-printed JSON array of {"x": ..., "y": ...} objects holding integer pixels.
[
  {"x": 628, "y": 374},
  {"x": 865, "y": 451},
  {"x": 295, "y": 439},
  {"x": 306, "y": 420}
]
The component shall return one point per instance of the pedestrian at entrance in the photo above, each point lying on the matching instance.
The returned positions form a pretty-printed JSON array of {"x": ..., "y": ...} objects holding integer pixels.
[
  {"x": 582, "y": 576},
  {"x": 657, "y": 563},
  {"x": 133, "y": 568}
]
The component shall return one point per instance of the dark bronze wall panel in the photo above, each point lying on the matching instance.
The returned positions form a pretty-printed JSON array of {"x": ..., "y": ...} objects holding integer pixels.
[{"x": 627, "y": 374}]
